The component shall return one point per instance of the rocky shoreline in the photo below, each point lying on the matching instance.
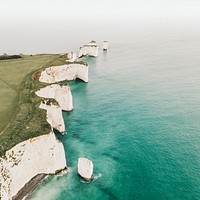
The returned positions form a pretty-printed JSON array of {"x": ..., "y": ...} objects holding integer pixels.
[
  {"x": 30, "y": 186},
  {"x": 25, "y": 165}
]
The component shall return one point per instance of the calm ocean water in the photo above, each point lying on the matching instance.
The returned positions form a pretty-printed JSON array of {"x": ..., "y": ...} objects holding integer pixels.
[{"x": 137, "y": 119}]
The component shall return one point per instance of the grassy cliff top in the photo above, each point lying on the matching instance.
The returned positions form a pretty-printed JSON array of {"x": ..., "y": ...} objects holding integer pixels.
[{"x": 20, "y": 116}]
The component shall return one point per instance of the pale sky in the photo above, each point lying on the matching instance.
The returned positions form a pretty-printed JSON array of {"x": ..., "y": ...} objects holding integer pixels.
[
  {"x": 92, "y": 9},
  {"x": 34, "y": 26}
]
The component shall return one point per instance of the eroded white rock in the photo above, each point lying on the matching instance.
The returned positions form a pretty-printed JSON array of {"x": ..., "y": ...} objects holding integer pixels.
[
  {"x": 65, "y": 72},
  {"x": 90, "y": 49},
  {"x": 105, "y": 45},
  {"x": 54, "y": 115},
  {"x": 85, "y": 168},
  {"x": 43, "y": 154},
  {"x": 61, "y": 93},
  {"x": 71, "y": 57}
]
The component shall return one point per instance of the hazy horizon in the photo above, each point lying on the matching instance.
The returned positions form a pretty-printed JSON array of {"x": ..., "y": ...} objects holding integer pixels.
[
  {"x": 57, "y": 26},
  {"x": 59, "y": 9}
]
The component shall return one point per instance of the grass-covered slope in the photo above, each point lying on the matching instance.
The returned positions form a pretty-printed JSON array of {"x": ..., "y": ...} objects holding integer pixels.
[{"x": 20, "y": 116}]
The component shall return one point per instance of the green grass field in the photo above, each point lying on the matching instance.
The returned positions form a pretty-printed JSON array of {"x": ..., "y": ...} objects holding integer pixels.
[{"x": 20, "y": 117}]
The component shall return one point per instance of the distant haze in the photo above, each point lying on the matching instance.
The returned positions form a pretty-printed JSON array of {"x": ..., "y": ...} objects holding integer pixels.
[
  {"x": 97, "y": 9},
  {"x": 31, "y": 26}
]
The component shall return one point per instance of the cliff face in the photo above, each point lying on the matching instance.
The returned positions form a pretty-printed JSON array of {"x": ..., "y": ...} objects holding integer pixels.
[
  {"x": 91, "y": 49},
  {"x": 67, "y": 72},
  {"x": 61, "y": 93},
  {"x": 39, "y": 155},
  {"x": 54, "y": 115},
  {"x": 58, "y": 98},
  {"x": 71, "y": 57}
]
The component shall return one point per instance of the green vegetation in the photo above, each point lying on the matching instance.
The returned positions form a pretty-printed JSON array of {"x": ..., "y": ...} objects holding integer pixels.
[
  {"x": 20, "y": 116},
  {"x": 7, "y": 57}
]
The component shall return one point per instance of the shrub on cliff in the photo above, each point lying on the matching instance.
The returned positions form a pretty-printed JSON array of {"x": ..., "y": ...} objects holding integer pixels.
[{"x": 7, "y": 57}]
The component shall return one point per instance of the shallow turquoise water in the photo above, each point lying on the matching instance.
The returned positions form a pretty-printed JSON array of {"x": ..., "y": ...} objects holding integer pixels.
[{"x": 138, "y": 120}]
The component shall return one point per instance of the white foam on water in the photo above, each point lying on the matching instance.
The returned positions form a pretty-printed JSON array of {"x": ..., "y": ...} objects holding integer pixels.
[
  {"x": 96, "y": 176},
  {"x": 51, "y": 189}
]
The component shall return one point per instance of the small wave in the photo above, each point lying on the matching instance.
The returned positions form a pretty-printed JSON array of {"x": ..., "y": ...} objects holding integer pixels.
[
  {"x": 83, "y": 181},
  {"x": 96, "y": 176},
  {"x": 62, "y": 173},
  {"x": 69, "y": 170}
]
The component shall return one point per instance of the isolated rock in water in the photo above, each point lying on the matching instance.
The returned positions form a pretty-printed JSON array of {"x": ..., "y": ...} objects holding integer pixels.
[
  {"x": 90, "y": 49},
  {"x": 85, "y": 168},
  {"x": 105, "y": 45},
  {"x": 39, "y": 155},
  {"x": 54, "y": 114},
  {"x": 67, "y": 72},
  {"x": 61, "y": 93}
]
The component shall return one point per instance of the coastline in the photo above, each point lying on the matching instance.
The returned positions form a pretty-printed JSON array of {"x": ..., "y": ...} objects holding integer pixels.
[
  {"x": 30, "y": 186},
  {"x": 31, "y": 147},
  {"x": 33, "y": 184},
  {"x": 28, "y": 121}
]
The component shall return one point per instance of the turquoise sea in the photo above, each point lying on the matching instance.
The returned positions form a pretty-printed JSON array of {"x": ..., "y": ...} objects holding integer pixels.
[{"x": 137, "y": 119}]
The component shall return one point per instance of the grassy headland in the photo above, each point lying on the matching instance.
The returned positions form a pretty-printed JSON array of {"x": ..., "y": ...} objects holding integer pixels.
[{"x": 20, "y": 116}]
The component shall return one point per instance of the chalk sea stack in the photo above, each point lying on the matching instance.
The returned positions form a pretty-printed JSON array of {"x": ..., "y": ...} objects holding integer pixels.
[
  {"x": 105, "y": 45},
  {"x": 90, "y": 49},
  {"x": 85, "y": 168}
]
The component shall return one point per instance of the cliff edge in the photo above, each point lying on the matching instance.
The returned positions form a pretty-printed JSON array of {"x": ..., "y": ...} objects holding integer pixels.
[
  {"x": 66, "y": 72},
  {"x": 39, "y": 155}
]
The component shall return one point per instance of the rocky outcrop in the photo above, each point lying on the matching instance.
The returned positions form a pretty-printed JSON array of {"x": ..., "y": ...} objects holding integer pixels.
[
  {"x": 66, "y": 72},
  {"x": 61, "y": 93},
  {"x": 85, "y": 168},
  {"x": 71, "y": 57},
  {"x": 53, "y": 114},
  {"x": 105, "y": 45},
  {"x": 90, "y": 49},
  {"x": 39, "y": 155}
]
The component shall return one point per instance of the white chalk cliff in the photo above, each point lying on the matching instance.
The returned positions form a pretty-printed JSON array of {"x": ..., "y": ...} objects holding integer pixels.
[
  {"x": 85, "y": 168},
  {"x": 43, "y": 154},
  {"x": 61, "y": 93},
  {"x": 71, "y": 57},
  {"x": 54, "y": 115},
  {"x": 90, "y": 49},
  {"x": 66, "y": 72}
]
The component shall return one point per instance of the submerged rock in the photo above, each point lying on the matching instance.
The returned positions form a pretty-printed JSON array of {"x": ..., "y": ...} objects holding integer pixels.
[{"x": 85, "y": 168}]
